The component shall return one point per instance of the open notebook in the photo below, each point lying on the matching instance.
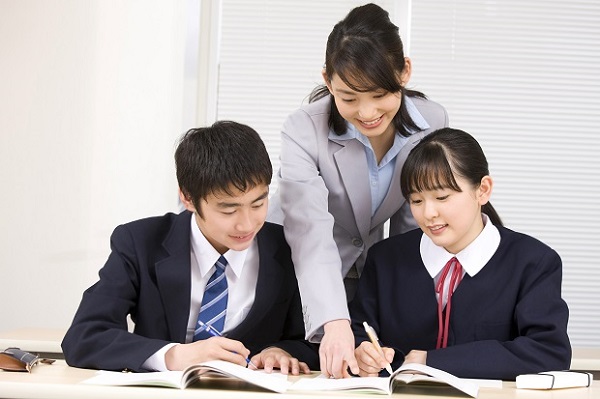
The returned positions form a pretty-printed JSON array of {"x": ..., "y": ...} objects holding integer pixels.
[
  {"x": 406, "y": 374},
  {"x": 182, "y": 379},
  {"x": 276, "y": 382}
]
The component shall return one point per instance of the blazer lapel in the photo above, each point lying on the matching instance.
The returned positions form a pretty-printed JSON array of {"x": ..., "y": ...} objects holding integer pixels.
[
  {"x": 173, "y": 277},
  {"x": 394, "y": 199},
  {"x": 355, "y": 175},
  {"x": 269, "y": 279}
]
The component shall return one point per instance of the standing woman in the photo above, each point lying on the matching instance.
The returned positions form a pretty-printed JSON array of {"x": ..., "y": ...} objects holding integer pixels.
[{"x": 341, "y": 159}]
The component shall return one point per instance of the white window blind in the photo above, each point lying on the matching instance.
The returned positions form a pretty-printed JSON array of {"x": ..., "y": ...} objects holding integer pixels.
[{"x": 523, "y": 77}]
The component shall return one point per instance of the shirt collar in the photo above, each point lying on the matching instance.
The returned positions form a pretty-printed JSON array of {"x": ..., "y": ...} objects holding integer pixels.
[
  {"x": 473, "y": 258},
  {"x": 206, "y": 255}
]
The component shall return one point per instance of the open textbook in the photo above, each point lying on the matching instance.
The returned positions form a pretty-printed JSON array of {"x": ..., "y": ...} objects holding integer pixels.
[
  {"x": 555, "y": 380},
  {"x": 408, "y": 373},
  {"x": 276, "y": 382},
  {"x": 405, "y": 374}
]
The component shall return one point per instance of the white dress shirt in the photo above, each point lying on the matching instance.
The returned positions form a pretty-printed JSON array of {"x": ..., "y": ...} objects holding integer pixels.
[{"x": 241, "y": 273}]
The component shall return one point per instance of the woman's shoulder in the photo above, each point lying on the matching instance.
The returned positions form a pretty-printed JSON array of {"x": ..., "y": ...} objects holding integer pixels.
[
  {"x": 316, "y": 108},
  {"x": 434, "y": 113},
  {"x": 309, "y": 118},
  {"x": 427, "y": 103}
]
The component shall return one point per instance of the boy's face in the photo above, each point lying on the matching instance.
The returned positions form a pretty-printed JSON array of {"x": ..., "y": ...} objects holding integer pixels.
[{"x": 232, "y": 221}]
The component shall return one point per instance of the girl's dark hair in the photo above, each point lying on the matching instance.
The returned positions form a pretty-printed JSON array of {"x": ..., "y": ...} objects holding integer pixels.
[
  {"x": 215, "y": 159},
  {"x": 440, "y": 156},
  {"x": 365, "y": 51}
]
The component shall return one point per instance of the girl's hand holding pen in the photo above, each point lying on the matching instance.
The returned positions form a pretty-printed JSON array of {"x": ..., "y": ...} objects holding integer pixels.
[
  {"x": 370, "y": 361},
  {"x": 381, "y": 357}
]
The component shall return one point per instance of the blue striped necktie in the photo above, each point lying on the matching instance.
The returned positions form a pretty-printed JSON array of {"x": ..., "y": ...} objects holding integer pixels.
[{"x": 214, "y": 303}]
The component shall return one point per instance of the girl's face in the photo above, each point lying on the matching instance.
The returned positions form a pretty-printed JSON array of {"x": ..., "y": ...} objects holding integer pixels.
[
  {"x": 372, "y": 112},
  {"x": 452, "y": 219}
]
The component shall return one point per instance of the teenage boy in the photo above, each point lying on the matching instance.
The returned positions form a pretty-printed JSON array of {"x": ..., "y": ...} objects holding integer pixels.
[{"x": 161, "y": 268}]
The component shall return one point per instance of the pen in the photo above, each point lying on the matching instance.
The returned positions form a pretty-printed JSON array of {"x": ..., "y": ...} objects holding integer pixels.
[
  {"x": 373, "y": 337},
  {"x": 216, "y": 333}
]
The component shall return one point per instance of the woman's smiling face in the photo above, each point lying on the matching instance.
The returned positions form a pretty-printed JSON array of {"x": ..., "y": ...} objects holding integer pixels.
[{"x": 371, "y": 112}]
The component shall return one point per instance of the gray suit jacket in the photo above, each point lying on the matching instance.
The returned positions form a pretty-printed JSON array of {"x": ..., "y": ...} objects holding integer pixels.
[{"x": 324, "y": 204}]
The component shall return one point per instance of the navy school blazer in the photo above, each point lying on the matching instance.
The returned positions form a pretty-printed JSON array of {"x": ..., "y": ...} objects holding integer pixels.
[
  {"x": 147, "y": 276},
  {"x": 508, "y": 319}
]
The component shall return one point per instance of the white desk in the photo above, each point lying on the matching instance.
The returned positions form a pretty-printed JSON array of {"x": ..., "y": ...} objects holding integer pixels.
[{"x": 59, "y": 381}]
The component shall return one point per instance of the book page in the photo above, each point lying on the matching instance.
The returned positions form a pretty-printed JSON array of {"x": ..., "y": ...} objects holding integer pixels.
[
  {"x": 170, "y": 379},
  {"x": 275, "y": 381},
  {"x": 322, "y": 383},
  {"x": 385, "y": 384},
  {"x": 417, "y": 378},
  {"x": 462, "y": 385}
]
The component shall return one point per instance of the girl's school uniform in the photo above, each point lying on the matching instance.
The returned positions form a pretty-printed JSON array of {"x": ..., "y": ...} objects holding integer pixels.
[{"x": 507, "y": 316}]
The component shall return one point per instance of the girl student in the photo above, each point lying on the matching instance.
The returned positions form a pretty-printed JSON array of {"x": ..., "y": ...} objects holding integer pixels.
[
  {"x": 339, "y": 157},
  {"x": 462, "y": 293}
]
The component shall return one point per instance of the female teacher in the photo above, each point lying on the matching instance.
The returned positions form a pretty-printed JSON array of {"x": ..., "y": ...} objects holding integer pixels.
[{"x": 341, "y": 159}]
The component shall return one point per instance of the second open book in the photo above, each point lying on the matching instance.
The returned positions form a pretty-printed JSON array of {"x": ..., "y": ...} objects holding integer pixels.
[
  {"x": 405, "y": 374},
  {"x": 277, "y": 382}
]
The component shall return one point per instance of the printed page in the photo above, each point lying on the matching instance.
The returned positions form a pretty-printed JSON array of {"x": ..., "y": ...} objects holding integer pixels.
[
  {"x": 322, "y": 383},
  {"x": 171, "y": 379},
  {"x": 275, "y": 381},
  {"x": 465, "y": 386}
]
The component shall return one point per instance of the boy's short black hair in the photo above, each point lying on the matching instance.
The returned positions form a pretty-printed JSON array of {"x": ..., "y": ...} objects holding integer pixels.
[{"x": 221, "y": 157}]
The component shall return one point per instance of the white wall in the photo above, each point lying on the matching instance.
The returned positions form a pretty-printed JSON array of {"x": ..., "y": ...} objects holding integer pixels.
[{"x": 91, "y": 99}]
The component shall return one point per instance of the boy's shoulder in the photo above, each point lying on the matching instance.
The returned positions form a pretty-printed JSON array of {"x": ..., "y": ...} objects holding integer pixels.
[
  {"x": 271, "y": 239},
  {"x": 273, "y": 228},
  {"x": 272, "y": 233},
  {"x": 158, "y": 221},
  {"x": 155, "y": 228}
]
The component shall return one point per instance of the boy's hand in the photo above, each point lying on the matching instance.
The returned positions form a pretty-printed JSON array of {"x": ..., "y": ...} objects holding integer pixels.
[
  {"x": 215, "y": 348},
  {"x": 370, "y": 362},
  {"x": 273, "y": 357}
]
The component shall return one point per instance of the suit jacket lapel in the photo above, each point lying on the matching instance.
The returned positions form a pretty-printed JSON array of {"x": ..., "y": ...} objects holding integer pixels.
[
  {"x": 173, "y": 277},
  {"x": 394, "y": 199},
  {"x": 355, "y": 175}
]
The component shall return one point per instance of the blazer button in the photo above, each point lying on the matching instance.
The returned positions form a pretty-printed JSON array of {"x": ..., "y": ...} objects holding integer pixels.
[{"x": 357, "y": 242}]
